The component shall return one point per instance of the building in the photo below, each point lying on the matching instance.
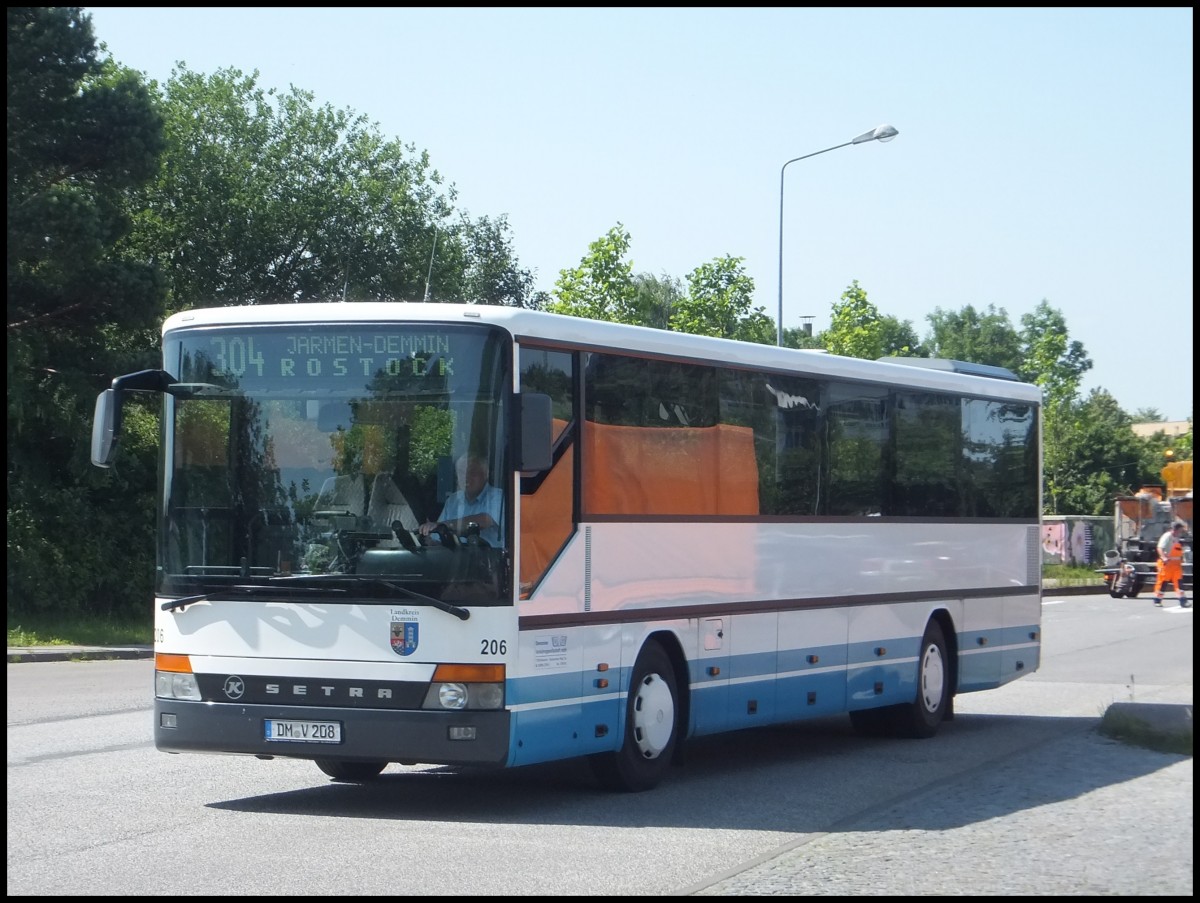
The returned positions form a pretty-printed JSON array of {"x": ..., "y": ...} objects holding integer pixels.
[{"x": 1172, "y": 428}]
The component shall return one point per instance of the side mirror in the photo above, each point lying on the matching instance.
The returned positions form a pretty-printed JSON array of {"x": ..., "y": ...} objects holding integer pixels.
[
  {"x": 536, "y": 425},
  {"x": 106, "y": 421},
  {"x": 106, "y": 425}
]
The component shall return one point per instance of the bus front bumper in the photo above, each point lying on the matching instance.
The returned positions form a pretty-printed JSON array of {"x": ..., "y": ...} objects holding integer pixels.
[{"x": 438, "y": 738}]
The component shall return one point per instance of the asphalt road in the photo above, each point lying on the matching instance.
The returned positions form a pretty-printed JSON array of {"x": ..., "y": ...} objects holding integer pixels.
[{"x": 1019, "y": 795}]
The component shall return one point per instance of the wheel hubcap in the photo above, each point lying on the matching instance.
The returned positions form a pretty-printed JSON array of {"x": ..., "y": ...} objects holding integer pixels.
[
  {"x": 653, "y": 716},
  {"x": 933, "y": 678}
]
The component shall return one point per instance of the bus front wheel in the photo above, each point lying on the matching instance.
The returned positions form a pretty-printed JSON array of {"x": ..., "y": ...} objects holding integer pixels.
[
  {"x": 341, "y": 770},
  {"x": 651, "y": 727}
]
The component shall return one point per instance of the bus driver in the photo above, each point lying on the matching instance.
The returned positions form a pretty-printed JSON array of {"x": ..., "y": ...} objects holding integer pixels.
[{"x": 475, "y": 502}]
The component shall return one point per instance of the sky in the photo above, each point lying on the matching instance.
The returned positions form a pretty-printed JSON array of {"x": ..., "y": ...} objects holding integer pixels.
[{"x": 1043, "y": 153}]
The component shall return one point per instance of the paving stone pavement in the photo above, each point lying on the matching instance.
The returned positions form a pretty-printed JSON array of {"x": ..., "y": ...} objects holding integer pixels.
[{"x": 1130, "y": 837}]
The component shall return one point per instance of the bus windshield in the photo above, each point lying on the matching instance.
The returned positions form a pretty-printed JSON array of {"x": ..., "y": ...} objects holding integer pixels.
[{"x": 337, "y": 449}]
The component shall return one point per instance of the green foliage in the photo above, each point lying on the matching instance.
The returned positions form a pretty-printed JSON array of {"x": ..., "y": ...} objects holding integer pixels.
[
  {"x": 492, "y": 275},
  {"x": 1071, "y": 575},
  {"x": 602, "y": 286},
  {"x": 855, "y": 329},
  {"x": 799, "y": 338},
  {"x": 969, "y": 335},
  {"x": 273, "y": 198},
  {"x": 900, "y": 338},
  {"x": 718, "y": 304},
  {"x": 431, "y": 431},
  {"x": 656, "y": 299},
  {"x": 1181, "y": 446},
  {"x": 1095, "y": 457},
  {"x": 1049, "y": 357},
  {"x": 52, "y": 629},
  {"x": 82, "y": 134}
]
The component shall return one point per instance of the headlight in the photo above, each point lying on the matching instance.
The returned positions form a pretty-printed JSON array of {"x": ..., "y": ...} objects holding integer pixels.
[
  {"x": 176, "y": 685},
  {"x": 454, "y": 696},
  {"x": 487, "y": 696}
]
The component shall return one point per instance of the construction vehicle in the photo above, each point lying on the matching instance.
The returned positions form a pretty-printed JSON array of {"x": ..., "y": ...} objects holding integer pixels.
[{"x": 1139, "y": 521}]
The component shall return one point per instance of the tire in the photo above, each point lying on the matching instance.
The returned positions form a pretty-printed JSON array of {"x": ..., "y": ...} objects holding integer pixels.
[
  {"x": 922, "y": 717},
  {"x": 341, "y": 770},
  {"x": 651, "y": 727}
]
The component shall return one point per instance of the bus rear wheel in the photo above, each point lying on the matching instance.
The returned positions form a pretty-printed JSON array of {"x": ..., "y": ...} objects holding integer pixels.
[
  {"x": 923, "y": 716},
  {"x": 651, "y": 727},
  {"x": 341, "y": 770}
]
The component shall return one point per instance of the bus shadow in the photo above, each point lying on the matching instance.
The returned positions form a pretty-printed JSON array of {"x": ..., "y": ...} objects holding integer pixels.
[{"x": 800, "y": 777}]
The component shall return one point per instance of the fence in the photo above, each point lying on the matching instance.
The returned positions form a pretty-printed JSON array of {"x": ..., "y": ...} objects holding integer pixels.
[{"x": 1076, "y": 540}]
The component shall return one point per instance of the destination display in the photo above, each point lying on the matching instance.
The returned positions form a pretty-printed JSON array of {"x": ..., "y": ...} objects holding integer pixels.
[{"x": 298, "y": 355}]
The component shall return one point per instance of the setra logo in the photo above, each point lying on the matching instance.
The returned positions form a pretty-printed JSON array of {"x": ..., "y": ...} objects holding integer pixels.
[{"x": 235, "y": 687}]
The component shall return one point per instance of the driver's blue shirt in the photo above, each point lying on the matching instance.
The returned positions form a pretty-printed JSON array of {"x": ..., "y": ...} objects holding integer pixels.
[{"x": 489, "y": 501}]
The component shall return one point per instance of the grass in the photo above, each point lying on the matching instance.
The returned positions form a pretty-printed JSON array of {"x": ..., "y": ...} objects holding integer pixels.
[
  {"x": 1124, "y": 727},
  {"x": 1071, "y": 575},
  {"x": 56, "y": 630},
  {"x": 51, "y": 630}
]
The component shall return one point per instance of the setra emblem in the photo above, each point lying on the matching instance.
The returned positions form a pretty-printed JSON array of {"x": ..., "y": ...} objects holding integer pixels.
[
  {"x": 235, "y": 687},
  {"x": 405, "y": 631}
]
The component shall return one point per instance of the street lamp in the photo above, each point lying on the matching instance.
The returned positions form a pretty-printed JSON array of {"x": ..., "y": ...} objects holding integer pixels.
[{"x": 882, "y": 133}]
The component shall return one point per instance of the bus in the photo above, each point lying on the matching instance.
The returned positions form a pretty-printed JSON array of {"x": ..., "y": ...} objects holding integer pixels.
[{"x": 691, "y": 535}]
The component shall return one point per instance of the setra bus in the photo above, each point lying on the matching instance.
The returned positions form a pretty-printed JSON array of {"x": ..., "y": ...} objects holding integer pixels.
[{"x": 687, "y": 535}]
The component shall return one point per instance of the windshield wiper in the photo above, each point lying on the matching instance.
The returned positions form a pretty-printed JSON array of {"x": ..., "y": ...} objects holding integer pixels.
[
  {"x": 239, "y": 590},
  {"x": 461, "y": 613}
]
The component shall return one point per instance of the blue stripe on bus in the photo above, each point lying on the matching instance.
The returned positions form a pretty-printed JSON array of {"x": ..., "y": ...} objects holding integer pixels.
[{"x": 567, "y": 714}]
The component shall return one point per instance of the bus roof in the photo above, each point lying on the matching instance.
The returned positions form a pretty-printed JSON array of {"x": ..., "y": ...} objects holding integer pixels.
[{"x": 920, "y": 373}]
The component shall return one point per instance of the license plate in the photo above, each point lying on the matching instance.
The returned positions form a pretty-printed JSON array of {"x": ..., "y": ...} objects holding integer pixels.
[{"x": 302, "y": 731}]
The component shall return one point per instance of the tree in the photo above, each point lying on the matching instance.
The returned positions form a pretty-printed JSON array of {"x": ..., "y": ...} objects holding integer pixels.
[
  {"x": 271, "y": 198},
  {"x": 1048, "y": 356},
  {"x": 82, "y": 134},
  {"x": 1053, "y": 361},
  {"x": 900, "y": 338},
  {"x": 602, "y": 287},
  {"x": 969, "y": 335},
  {"x": 656, "y": 299},
  {"x": 492, "y": 275},
  {"x": 1094, "y": 457},
  {"x": 855, "y": 328},
  {"x": 1148, "y": 415},
  {"x": 801, "y": 337},
  {"x": 718, "y": 304},
  {"x": 263, "y": 197}
]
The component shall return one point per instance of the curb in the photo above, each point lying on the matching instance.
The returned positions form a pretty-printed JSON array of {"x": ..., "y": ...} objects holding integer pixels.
[
  {"x": 1151, "y": 724},
  {"x": 18, "y": 654},
  {"x": 1082, "y": 590}
]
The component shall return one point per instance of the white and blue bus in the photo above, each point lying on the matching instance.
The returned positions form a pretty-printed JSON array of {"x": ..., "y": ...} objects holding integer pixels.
[{"x": 688, "y": 535}]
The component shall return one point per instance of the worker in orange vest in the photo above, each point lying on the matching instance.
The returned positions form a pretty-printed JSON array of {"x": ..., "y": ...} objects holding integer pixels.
[{"x": 1170, "y": 564}]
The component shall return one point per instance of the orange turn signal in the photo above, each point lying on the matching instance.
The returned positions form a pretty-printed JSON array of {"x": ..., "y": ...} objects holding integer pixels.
[
  {"x": 469, "y": 674},
  {"x": 165, "y": 662}
]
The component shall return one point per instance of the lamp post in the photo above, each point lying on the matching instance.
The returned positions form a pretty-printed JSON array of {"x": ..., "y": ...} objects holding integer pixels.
[{"x": 881, "y": 133}]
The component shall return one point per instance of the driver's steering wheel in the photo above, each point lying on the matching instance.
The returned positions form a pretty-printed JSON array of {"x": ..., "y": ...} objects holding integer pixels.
[
  {"x": 446, "y": 535},
  {"x": 405, "y": 537}
]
